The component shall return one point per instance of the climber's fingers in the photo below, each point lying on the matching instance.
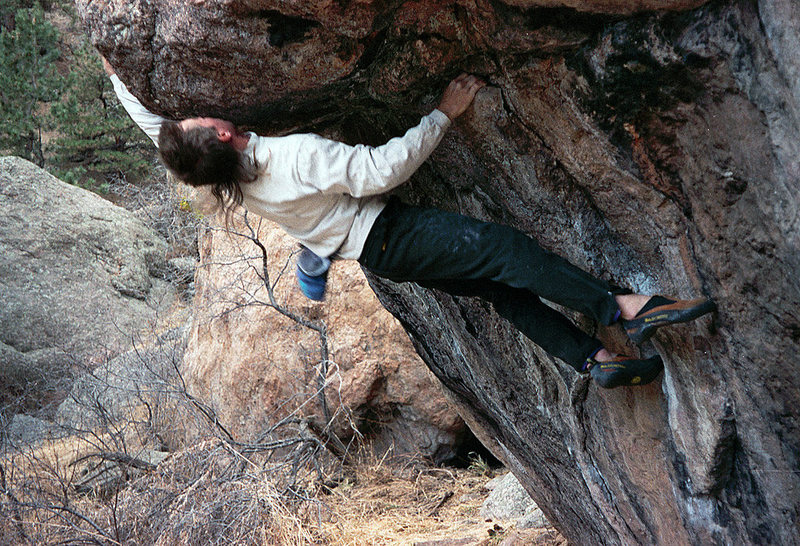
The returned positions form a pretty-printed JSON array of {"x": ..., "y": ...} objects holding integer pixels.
[
  {"x": 467, "y": 80},
  {"x": 459, "y": 94}
]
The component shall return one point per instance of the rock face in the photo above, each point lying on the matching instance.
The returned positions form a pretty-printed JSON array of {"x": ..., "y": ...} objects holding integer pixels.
[
  {"x": 256, "y": 366},
  {"x": 657, "y": 150},
  {"x": 76, "y": 278},
  {"x": 306, "y": 63}
]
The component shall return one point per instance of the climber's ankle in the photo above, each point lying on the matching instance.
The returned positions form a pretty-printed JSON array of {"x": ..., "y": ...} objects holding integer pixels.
[
  {"x": 603, "y": 355},
  {"x": 630, "y": 304}
]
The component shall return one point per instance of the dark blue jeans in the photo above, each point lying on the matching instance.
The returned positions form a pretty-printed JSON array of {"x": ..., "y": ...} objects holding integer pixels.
[{"x": 466, "y": 257}]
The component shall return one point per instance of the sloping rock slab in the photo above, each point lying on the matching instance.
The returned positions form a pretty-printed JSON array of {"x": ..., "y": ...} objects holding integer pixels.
[{"x": 75, "y": 277}]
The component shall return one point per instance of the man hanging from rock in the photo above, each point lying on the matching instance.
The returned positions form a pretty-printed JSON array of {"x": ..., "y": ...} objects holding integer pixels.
[{"x": 331, "y": 197}]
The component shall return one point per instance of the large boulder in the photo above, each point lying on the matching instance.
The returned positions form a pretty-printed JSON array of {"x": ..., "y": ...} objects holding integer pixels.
[
  {"x": 76, "y": 278},
  {"x": 280, "y": 64},
  {"x": 255, "y": 365},
  {"x": 660, "y": 151}
]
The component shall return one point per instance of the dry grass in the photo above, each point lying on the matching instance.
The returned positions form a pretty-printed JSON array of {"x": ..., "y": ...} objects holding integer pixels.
[
  {"x": 382, "y": 503},
  {"x": 406, "y": 503},
  {"x": 234, "y": 502},
  {"x": 215, "y": 492},
  {"x": 211, "y": 494}
]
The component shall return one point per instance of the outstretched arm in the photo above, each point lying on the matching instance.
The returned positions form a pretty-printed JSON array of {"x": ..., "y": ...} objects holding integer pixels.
[
  {"x": 365, "y": 170},
  {"x": 149, "y": 122}
]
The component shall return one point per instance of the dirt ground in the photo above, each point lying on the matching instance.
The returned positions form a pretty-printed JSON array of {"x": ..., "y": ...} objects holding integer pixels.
[{"x": 391, "y": 505}]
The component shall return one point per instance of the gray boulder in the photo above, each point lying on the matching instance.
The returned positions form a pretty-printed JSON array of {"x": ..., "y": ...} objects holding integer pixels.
[
  {"x": 77, "y": 278},
  {"x": 508, "y": 500},
  {"x": 29, "y": 380},
  {"x": 28, "y": 430}
]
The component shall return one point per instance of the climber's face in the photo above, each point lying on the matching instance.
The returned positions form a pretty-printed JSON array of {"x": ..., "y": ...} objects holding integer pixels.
[
  {"x": 220, "y": 125},
  {"x": 226, "y": 131}
]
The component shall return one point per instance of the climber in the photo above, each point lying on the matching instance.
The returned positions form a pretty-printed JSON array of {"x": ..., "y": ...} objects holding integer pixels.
[{"x": 331, "y": 197}]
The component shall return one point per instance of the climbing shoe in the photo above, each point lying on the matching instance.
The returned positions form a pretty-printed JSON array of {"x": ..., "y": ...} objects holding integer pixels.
[
  {"x": 312, "y": 274},
  {"x": 624, "y": 371},
  {"x": 660, "y": 311}
]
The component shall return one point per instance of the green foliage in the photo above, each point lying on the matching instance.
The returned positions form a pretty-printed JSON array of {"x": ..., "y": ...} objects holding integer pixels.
[
  {"x": 478, "y": 465},
  {"x": 92, "y": 137},
  {"x": 28, "y": 78},
  {"x": 8, "y": 11},
  {"x": 96, "y": 138}
]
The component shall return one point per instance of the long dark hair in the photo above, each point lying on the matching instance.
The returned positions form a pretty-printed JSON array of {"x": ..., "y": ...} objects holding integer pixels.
[{"x": 198, "y": 158}]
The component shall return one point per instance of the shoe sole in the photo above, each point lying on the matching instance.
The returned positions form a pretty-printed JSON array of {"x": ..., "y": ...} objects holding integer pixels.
[{"x": 642, "y": 328}]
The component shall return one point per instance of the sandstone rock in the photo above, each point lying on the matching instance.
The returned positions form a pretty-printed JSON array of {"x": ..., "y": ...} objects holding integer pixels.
[
  {"x": 609, "y": 6},
  {"x": 659, "y": 151},
  {"x": 255, "y": 366},
  {"x": 673, "y": 172},
  {"x": 177, "y": 56},
  {"x": 76, "y": 280}
]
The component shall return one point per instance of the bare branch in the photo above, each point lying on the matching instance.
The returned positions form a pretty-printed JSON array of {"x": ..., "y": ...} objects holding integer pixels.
[
  {"x": 14, "y": 504},
  {"x": 115, "y": 457}
]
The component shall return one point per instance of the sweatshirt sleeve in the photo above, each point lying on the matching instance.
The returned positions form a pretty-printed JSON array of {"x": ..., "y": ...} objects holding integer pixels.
[
  {"x": 149, "y": 122},
  {"x": 361, "y": 171}
]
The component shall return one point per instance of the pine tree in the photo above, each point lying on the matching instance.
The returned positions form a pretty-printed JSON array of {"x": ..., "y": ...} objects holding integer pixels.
[
  {"x": 28, "y": 78},
  {"x": 96, "y": 138}
]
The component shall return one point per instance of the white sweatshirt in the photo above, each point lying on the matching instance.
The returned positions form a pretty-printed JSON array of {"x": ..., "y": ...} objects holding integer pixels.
[{"x": 324, "y": 193}]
